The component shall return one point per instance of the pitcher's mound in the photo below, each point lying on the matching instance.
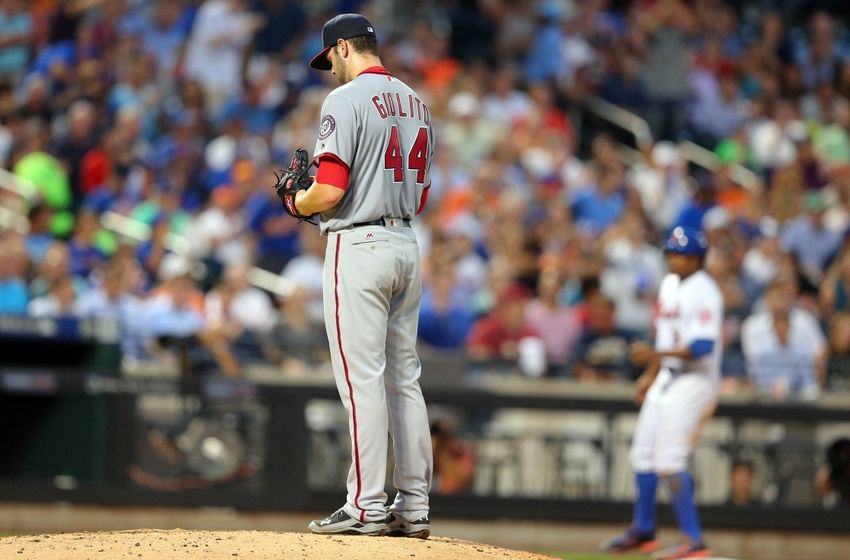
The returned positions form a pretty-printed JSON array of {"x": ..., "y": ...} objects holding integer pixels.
[{"x": 245, "y": 545}]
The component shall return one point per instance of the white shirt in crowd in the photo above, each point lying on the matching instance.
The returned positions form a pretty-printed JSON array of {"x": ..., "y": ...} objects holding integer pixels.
[{"x": 771, "y": 364}]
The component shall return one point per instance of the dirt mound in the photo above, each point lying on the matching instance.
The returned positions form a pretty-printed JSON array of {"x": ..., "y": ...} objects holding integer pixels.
[{"x": 244, "y": 545}]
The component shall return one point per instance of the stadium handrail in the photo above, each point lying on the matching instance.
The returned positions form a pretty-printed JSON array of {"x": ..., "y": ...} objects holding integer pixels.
[
  {"x": 140, "y": 231},
  {"x": 128, "y": 228},
  {"x": 639, "y": 128},
  {"x": 704, "y": 157},
  {"x": 616, "y": 115},
  {"x": 16, "y": 186}
]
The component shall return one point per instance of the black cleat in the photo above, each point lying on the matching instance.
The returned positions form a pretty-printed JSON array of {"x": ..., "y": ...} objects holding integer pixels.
[
  {"x": 340, "y": 523},
  {"x": 398, "y": 526}
]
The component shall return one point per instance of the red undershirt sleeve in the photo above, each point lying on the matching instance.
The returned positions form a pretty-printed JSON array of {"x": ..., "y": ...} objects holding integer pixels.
[
  {"x": 332, "y": 171},
  {"x": 423, "y": 200}
]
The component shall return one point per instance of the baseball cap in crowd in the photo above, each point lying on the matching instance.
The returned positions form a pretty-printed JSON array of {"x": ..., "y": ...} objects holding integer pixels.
[{"x": 343, "y": 26}]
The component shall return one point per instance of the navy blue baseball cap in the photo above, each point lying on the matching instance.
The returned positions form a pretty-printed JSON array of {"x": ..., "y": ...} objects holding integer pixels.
[
  {"x": 687, "y": 241},
  {"x": 343, "y": 26}
]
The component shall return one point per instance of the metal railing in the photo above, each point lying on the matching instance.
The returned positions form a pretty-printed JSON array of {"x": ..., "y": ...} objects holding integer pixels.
[
  {"x": 704, "y": 157},
  {"x": 127, "y": 228},
  {"x": 638, "y": 127},
  {"x": 622, "y": 118}
]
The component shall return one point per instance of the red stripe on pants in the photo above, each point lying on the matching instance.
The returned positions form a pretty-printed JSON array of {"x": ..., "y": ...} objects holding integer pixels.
[{"x": 348, "y": 381}]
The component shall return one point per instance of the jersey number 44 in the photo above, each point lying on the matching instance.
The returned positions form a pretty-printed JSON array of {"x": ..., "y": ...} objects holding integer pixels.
[{"x": 417, "y": 157}]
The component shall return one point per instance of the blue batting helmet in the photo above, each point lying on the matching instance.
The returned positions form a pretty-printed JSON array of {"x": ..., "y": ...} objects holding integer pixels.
[{"x": 686, "y": 241}]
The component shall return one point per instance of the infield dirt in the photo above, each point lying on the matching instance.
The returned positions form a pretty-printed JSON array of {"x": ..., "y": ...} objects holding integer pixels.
[{"x": 244, "y": 545}]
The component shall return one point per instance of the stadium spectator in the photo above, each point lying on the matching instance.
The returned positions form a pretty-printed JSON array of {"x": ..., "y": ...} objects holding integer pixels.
[
  {"x": 819, "y": 56},
  {"x": 666, "y": 29},
  {"x": 235, "y": 306},
  {"x": 470, "y": 267},
  {"x": 175, "y": 306},
  {"x": 622, "y": 83},
  {"x": 57, "y": 302},
  {"x": 220, "y": 36},
  {"x": 55, "y": 265},
  {"x": 50, "y": 179},
  {"x": 89, "y": 246},
  {"x": 773, "y": 140},
  {"x": 16, "y": 26},
  {"x": 544, "y": 62},
  {"x": 162, "y": 32},
  {"x": 559, "y": 326},
  {"x": 454, "y": 459},
  {"x": 445, "y": 316},
  {"x": 39, "y": 237},
  {"x": 603, "y": 349},
  {"x": 495, "y": 338},
  {"x": 662, "y": 184},
  {"x": 838, "y": 364},
  {"x": 601, "y": 202},
  {"x": 742, "y": 484},
  {"x": 809, "y": 240},
  {"x": 761, "y": 262},
  {"x": 784, "y": 347},
  {"x": 112, "y": 298},
  {"x": 305, "y": 270},
  {"x": 835, "y": 289},
  {"x": 277, "y": 235},
  {"x": 832, "y": 480},
  {"x": 468, "y": 134},
  {"x": 240, "y": 313},
  {"x": 219, "y": 231},
  {"x": 634, "y": 269},
  {"x": 14, "y": 296},
  {"x": 297, "y": 342},
  {"x": 504, "y": 102},
  {"x": 151, "y": 252},
  {"x": 719, "y": 108},
  {"x": 284, "y": 22},
  {"x": 80, "y": 139}
]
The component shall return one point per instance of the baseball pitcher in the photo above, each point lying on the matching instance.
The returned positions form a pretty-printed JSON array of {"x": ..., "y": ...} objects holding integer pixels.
[
  {"x": 678, "y": 392},
  {"x": 374, "y": 151}
]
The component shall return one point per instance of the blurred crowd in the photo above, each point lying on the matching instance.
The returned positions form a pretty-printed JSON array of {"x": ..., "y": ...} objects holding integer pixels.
[{"x": 144, "y": 135}]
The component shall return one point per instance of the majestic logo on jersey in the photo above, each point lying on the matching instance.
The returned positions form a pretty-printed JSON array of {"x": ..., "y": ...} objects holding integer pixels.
[{"x": 328, "y": 125}]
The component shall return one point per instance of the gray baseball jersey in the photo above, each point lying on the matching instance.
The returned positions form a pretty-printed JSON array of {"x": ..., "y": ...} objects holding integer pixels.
[{"x": 381, "y": 130}]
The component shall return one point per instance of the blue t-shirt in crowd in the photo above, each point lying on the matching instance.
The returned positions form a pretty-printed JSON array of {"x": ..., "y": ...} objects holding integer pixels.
[
  {"x": 444, "y": 329},
  {"x": 595, "y": 212},
  {"x": 285, "y": 246},
  {"x": 13, "y": 296},
  {"x": 13, "y": 59}
]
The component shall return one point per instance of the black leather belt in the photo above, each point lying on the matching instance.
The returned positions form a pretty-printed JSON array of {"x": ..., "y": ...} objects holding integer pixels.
[{"x": 383, "y": 222}]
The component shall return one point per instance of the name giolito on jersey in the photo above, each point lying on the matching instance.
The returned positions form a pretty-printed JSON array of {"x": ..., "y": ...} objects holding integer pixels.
[{"x": 391, "y": 105}]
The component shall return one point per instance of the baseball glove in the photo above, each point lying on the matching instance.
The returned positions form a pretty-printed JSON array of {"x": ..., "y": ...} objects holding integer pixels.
[{"x": 294, "y": 179}]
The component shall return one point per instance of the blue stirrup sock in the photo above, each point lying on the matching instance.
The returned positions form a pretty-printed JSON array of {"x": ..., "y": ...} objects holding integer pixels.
[
  {"x": 644, "y": 520},
  {"x": 681, "y": 487}
]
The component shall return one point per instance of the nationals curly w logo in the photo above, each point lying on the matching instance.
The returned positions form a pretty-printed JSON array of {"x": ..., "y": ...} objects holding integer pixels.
[{"x": 327, "y": 126}]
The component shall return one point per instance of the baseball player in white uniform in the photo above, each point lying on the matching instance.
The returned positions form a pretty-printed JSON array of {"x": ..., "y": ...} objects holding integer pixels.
[
  {"x": 374, "y": 153},
  {"x": 678, "y": 392}
]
